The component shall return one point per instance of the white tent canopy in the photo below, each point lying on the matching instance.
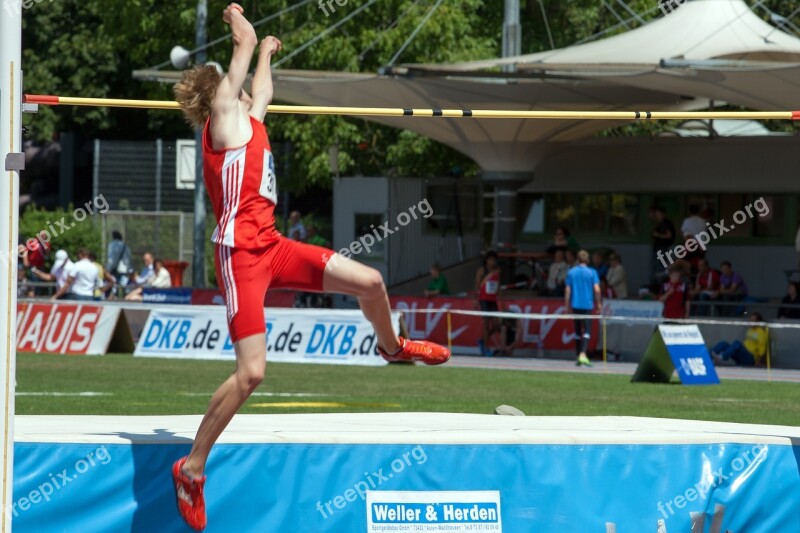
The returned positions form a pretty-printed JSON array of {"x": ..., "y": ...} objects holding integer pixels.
[{"x": 707, "y": 50}]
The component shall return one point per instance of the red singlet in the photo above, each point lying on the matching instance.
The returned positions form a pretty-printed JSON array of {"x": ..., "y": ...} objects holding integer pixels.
[{"x": 251, "y": 254}]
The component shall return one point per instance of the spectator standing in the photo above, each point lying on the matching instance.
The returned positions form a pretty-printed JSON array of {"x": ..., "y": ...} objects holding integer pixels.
[
  {"x": 437, "y": 286},
  {"x": 118, "y": 259},
  {"x": 106, "y": 279},
  {"x": 706, "y": 286},
  {"x": 675, "y": 295},
  {"x": 488, "y": 287},
  {"x": 581, "y": 297},
  {"x": 58, "y": 272},
  {"x": 297, "y": 231},
  {"x": 557, "y": 274},
  {"x": 616, "y": 276},
  {"x": 663, "y": 239},
  {"x": 82, "y": 279},
  {"x": 791, "y": 299},
  {"x": 732, "y": 287},
  {"x": 752, "y": 353},
  {"x": 563, "y": 240},
  {"x": 797, "y": 247},
  {"x": 599, "y": 264},
  {"x": 694, "y": 224}
]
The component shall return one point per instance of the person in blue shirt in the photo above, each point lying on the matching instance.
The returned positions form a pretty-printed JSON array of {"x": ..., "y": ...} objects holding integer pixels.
[{"x": 582, "y": 297}]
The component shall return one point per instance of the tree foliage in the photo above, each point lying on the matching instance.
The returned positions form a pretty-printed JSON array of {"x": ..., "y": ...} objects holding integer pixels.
[{"x": 91, "y": 47}]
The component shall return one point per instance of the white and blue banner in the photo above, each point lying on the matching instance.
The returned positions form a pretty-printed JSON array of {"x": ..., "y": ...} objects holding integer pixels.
[
  {"x": 293, "y": 335},
  {"x": 689, "y": 354},
  {"x": 357, "y": 488}
]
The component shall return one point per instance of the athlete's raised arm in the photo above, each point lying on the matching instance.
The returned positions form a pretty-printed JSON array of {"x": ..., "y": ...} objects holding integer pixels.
[
  {"x": 226, "y": 112},
  {"x": 262, "y": 79}
]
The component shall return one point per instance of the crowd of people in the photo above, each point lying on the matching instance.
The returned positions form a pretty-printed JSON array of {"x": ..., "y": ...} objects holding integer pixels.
[{"x": 82, "y": 277}]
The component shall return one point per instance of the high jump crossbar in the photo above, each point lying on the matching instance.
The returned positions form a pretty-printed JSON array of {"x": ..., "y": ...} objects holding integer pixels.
[{"x": 434, "y": 112}]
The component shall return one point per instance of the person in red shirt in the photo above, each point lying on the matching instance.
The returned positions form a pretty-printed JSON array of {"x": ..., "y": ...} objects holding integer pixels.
[
  {"x": 674, "y": 295},
  {"x": 251, "y": 255},
  {"x": 487, "y": 287},
  {"x": 706, "y": 287}
]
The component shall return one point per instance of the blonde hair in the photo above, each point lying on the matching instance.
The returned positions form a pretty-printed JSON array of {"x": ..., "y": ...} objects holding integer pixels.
[
  {"x": 583, "y": 257},
  {"x": 195, "y": 93}
]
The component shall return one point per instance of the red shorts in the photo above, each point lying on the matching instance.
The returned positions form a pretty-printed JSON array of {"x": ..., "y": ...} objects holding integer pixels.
[{"x": 245, "y": 275}]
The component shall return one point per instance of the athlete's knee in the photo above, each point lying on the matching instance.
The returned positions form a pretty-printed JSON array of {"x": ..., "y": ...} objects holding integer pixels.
[
  {"x": 372, "y": 284},
  {"x": 250, "y": 377}
]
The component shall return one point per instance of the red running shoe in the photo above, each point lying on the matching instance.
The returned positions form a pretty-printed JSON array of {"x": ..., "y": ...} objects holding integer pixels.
[
  {"x": 189, "y": 493},
  {"x": 429, "y": 353}
]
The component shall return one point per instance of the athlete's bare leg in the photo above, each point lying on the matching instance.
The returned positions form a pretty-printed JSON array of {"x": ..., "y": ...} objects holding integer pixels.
[
  {"x": 345, "y": 276},
  {"x": 250, "y": 362}
]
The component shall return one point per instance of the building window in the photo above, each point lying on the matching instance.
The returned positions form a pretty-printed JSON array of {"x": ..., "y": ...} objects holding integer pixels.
[
  {"x": 451, "y": 202},
  {"x": 366, "y": 224}
]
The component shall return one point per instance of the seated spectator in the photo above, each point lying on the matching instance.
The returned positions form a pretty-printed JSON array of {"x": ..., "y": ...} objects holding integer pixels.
[
  {"x": 606, "y": 290},
  {"x": 148, "y": 271},
  {"x": 675, "y": 295},
  {"x": 599, "y": 264},
  {"x": 732, "y": 288},
  {"x": 159, "y": 280},
  {"x": 315, "y": 238},
  {"x": 509, "y": 333},
  {"x": 557, "y": 274},
  {"x": 693, "y": 257},
  {"x": 437, "y": 286},
  {"x": 616, "y": 276},
  {"x": 752, "y": 353},
  {"x": 571, "y": 258},
  {"x": 706, "y": 287},
  {"x": 58, "y": 272},
  {"x": 562, "y": 240},
  {"x": 792, "y": 298}
]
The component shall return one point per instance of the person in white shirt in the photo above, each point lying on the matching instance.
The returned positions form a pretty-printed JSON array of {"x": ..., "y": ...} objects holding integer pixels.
[
  {"x": 557, "y": 274},
  {"x": 297, "y": 231},
  {"x": 58, "y": 272},
  {"x": 82, "y": 279},
  {"x": 694, "y": 224},
  {"x": 162, "y": 279},
  {"x": 616, "y": 276},
  {"x": 159, "y": 280}
]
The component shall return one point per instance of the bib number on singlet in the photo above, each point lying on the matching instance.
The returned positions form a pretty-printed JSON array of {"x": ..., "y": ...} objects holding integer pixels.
[{"x": 269, "y": 182}]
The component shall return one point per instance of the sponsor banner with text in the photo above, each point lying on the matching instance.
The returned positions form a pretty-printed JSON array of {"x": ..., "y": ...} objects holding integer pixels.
[
  {"x": 68, "y": 328},
  {"x": 433, "y": 511},
  {"x": 298, "y": 336},
  {"x": 549, "y": 333}
]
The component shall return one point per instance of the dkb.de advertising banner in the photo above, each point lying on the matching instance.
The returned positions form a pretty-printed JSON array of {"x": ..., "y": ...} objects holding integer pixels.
[{"x": 293, "y": 336}]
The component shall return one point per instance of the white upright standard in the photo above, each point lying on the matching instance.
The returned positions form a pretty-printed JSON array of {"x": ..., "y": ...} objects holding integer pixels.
[{"x": 10, "y": 133}]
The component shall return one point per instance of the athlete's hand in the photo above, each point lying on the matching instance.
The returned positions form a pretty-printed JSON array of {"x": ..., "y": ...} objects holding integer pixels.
[
  {"x": 229, "y": 12},
  {"x": 271, "y": 45}
]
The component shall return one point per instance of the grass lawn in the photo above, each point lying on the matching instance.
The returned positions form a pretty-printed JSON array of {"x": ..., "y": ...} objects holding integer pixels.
[{"x": 143, "y": 386}]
